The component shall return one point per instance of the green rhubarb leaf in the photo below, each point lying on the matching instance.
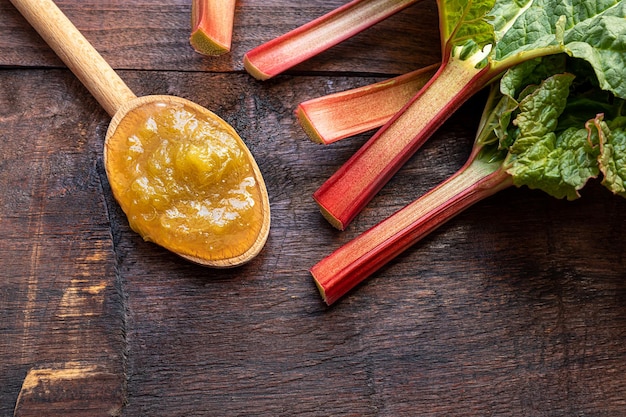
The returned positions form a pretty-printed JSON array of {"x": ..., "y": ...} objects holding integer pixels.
[
  {"x": 559, "y": 163},
  {"x": 581, "y": 108},
  {"x": 560, "y": 166},
  {"x": 592, "y": 30},
  {"x": 531, "y": 72},
  {"x": 527, "y": 27},
  {"x": 601, "y": 41},
  {"x": 533, "y": 25},
  {"x": 587, "y": 98},
  {"x": 612, "y": 158},
  {"x": 539, "y": 110},
  {"x": 464, "y": 26},
  {"x": 504, "y": 33},
  {"x": 555, "y": 131},
  {"x": 514, "y": 85}
]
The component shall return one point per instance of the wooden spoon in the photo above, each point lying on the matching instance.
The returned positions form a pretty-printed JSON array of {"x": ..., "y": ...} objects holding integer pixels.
[{"x": 120, "y": 102}]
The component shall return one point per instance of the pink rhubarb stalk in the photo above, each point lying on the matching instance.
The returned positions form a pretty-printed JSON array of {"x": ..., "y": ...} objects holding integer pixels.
[
  {"x": 330, "y": 118},
  {"x": 212, "y": 26},
  {"x": 347, "y": 191},
  {"x": 349, "y": 265},
  {"x": 300, "y": 44}
]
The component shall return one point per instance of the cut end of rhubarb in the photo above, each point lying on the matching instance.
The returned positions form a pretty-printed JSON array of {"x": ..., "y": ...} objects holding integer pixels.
[
  {"x": 308, "y": 126},
  {"x": 254, "y": 70},
  {"x": 320, "y": 288},
  {"x": 203, "y": 44},
  {"x": 334, "y": 221}
]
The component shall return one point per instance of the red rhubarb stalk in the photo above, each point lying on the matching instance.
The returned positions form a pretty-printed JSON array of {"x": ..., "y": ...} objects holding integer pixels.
[
  {"x": 346, "y": 192},
  {"x": 480, "y": 40},
  {"x": 332, "y": 117},
  {"x": 212, "y": 26},
  {"x": 300, "y": 44},
  {"x": 539, "y": 129},
  {"x": 524, "y": 137},
  {"x": 349, "y": 265}
]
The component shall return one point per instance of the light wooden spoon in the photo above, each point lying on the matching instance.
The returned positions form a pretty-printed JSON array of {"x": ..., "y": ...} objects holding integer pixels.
[{"x": 121, "y": 103}]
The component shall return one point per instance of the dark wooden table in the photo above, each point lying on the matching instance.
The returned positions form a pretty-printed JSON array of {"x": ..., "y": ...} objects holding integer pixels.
[{"x": 517, "y": 307}]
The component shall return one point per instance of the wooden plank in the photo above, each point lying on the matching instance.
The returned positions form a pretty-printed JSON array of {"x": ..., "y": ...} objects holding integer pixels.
[
  {"x": 59, "y": 299},
  {"x": 150, "y": 35},
  {"x": 516, "y": 307}
]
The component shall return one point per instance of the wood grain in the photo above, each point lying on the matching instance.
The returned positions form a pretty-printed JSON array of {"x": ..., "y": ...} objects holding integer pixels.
[
  {"x": 60, "y": 295},
  {"x": 76, "y": 52},
  {"x": 517, "y": 307},
  {"x": 149, "y": 35}
]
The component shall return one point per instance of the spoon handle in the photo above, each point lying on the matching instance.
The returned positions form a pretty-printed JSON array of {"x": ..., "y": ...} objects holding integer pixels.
[{"x": 76, "y": 52}]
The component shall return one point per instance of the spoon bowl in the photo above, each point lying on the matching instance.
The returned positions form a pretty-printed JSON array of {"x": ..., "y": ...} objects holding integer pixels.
[
  {"x": 248, "y": 243},
  {"x": 128, "y": 110}
]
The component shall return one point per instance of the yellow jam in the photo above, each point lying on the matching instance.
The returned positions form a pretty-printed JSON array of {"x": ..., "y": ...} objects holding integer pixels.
[{"x": 184, "y": 181}]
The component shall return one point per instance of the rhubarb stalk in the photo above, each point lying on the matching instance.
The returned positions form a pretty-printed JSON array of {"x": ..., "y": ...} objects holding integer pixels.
[
  {"x": 300, "y": 44},
  {"x": 341, "y": 271},
  {"x": 539, "y": 129},
  {"x": 480, "y": 40},
  {"x": 345, "y": 193},
  {"x": 212, "y": 26},
  {"x": 332, "y": 117}
]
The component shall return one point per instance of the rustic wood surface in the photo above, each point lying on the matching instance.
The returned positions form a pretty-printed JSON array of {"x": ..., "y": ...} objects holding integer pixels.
[{"x": 517, "y": 307}]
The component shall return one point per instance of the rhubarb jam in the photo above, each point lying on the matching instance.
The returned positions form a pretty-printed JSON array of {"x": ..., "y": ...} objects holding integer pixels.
[{"x": 184, "y": 181}]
